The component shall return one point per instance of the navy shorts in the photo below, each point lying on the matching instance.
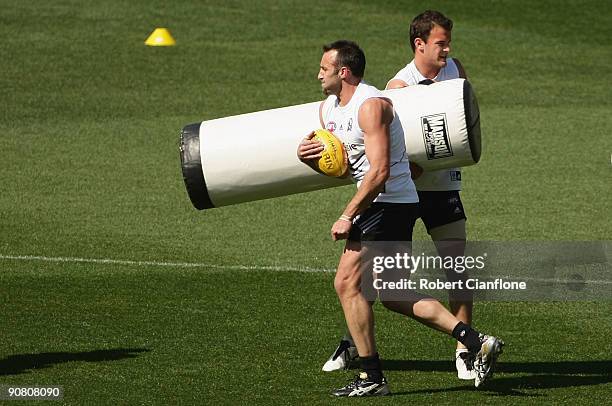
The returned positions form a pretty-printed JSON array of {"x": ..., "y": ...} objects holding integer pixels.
[
  {"x": 440, "y": 208},
  {"x": 385, "y": 222}
]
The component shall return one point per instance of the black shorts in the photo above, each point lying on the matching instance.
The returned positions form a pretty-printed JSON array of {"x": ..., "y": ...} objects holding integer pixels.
[
  {"x": 440, "y": 208},
  {"x": 385, "y": 222}
]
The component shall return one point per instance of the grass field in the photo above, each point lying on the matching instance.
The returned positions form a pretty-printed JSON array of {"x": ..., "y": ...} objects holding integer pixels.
[{"x": 89, "y": 125}]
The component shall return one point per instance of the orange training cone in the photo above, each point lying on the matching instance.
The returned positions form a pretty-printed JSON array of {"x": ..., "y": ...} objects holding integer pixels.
[{"x": 161, "y": 37}]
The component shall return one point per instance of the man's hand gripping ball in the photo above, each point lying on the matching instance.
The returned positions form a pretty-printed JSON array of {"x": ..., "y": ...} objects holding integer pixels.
[{"x": 323, "y": 151}]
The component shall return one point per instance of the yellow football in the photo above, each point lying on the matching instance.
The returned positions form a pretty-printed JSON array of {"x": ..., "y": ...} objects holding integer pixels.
[{"x": 332, "y": 162}]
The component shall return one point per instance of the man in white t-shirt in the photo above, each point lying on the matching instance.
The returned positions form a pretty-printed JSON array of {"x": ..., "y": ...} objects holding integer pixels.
[
  {"x": 440, "y": 205},
  {"x": 383, "y": 209}
]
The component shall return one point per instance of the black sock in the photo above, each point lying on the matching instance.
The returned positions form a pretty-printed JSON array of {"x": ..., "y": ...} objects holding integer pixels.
[
  {"x": 467, "y": 336},
  {"x": 371, "y": 366}
]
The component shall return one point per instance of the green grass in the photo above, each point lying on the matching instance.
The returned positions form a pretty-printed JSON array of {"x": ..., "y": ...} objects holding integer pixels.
[{"x": 89, "y": 129}]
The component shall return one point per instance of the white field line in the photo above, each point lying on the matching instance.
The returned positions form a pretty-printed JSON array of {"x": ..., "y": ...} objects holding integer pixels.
[
  {"x": 572, "y": 281},
  {"x": 108, "y": 261}
]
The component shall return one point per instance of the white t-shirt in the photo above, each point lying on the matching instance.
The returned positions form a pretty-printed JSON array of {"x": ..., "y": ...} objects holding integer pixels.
[
  {"x": 445, "y": 179},
  {"x": 343, "y": 122}
]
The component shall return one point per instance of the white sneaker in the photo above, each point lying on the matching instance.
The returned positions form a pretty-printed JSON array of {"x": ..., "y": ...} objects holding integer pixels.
[
  {"x": 464, "y": 361},
  {"x": 486, "y": 358},
  {"x": 342, "y": 357}
]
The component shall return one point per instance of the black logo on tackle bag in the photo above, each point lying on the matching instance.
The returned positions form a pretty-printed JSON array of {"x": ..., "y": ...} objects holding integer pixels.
[{"x": 435, "y": 135}]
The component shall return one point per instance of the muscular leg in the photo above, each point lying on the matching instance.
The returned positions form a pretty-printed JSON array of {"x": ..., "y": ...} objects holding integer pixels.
[
  {"x": 425, "y": 310},
  {"x": 450, "y": 240},
  {"x": 357, "y": 310}
]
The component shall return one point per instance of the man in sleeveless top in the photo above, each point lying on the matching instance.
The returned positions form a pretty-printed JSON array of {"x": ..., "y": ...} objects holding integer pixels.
[
  {"x": 383, "y": 208},
  {"x": 440, "y": 205}
]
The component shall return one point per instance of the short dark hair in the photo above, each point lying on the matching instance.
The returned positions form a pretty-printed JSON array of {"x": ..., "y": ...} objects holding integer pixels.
[
  {"x": 348, "y": 54},
  {"x": 421, "y": 25}
]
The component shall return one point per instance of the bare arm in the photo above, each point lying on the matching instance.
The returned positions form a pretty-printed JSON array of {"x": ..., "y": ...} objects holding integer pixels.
[
  {"x": 375, "y": 116},
  {"x": 321, "y": 114},
  {"x": 309, "y": 151},
  {"x": 396, "y": 84}
]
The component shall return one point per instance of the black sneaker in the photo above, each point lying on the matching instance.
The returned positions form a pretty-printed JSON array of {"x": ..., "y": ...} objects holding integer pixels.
[{"x": 363, "y": 386}]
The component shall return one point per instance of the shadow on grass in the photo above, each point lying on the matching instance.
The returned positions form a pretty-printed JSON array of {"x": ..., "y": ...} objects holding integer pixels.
[
  {"x": 23, "y": 363},
  {"x": 542, "y": 375}
]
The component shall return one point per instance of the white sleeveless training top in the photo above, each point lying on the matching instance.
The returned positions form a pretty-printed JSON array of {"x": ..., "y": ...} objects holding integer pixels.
[
  {"x": 343, "y": 122},
  {"x": 445, "y": 179}
]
